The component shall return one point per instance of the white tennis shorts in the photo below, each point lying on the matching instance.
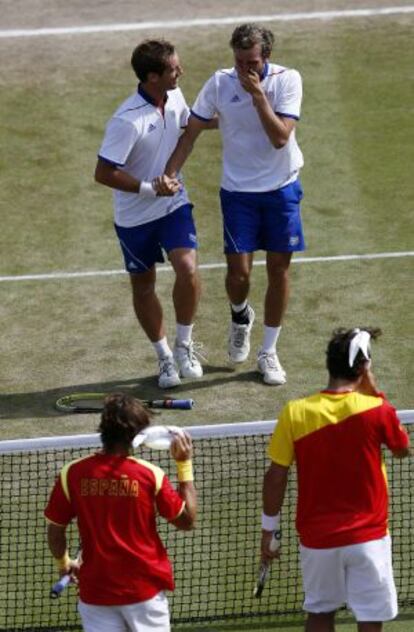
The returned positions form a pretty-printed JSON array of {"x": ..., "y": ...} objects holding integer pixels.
[
  {"x": 359, "y": 575},
  {"x": 145, "y": 616}
]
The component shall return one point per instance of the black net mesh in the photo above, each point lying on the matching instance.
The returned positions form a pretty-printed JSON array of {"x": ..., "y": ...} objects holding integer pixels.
[{"x": 215, "y": 565}]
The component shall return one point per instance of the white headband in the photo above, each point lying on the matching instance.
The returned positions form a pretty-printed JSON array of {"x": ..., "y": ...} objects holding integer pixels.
[{"x": 360, "y": 342}]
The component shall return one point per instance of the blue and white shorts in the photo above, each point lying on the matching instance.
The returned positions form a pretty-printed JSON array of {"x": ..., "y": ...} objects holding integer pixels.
[
  {"x": 142, "y": 245},
  {"x": 267, "y": 221}
]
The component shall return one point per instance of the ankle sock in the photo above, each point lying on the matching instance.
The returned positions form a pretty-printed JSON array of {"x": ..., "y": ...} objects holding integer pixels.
[
  {"x": 162, "y": 348},
  {"x": 240, "y": 316}
]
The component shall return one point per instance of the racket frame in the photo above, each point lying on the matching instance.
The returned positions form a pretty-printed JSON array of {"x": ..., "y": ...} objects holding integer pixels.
[{"x": 72, "y": 403}]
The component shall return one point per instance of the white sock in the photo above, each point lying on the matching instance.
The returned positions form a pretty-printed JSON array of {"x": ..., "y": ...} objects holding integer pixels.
[
  {"x": 240, "y": 307},
  {"x": 183, "y": 333},
  {"x": 270, "y": 337},
  {"x": 162, "y": 348}
]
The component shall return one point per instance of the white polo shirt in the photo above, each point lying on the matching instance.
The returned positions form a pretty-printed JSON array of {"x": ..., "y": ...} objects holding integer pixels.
[
  {"x": 250, "y": 161},
  {"x": 139, "y": 139}
]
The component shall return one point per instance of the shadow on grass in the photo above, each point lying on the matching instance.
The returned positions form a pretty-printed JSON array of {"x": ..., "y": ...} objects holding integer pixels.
[{"x": 41, "y": 404}]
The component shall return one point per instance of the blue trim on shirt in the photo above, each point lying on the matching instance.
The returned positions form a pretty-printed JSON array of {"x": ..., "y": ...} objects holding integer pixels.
[
  {"x": 111, "y": 162},
  {"x": 147, "y": 97},
  {"x": 200, "y": 118},
  {"x": 292, "y": 116},
  {"x": 264, "y": 72}
]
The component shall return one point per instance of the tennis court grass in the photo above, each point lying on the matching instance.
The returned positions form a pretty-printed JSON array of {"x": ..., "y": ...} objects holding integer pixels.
[
  {"x": 81, "y": 332},
  {"x": 61, "y": 335}
]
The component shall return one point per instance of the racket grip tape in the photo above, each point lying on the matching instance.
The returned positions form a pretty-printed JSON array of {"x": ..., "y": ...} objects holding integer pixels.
[
  {"x": 182, "y": 404},
  {"x": 59, "y": 586}
]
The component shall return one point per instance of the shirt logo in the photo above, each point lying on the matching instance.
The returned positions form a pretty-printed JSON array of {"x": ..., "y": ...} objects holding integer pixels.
[
  {"x": 235, "y": 99},
  {"x": 109, "y": 487},
  {"x": 151, "y": 128}
]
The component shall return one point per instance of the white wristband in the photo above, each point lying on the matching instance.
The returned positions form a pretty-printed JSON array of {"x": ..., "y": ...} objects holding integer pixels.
[
  {"x": 146, "y": 189},
  {"x": 270, "y": 523}
]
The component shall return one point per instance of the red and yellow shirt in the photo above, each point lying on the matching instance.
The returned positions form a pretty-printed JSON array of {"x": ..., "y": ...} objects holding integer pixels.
[
  {"x": 336, "y": 439},
  {"x": 115, "y": 500}
]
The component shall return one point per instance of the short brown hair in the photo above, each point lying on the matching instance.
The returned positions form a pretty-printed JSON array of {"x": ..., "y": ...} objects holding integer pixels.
[
  {"x": 248, "y": 35},
  {"x": 123, "y": 417},
  {"x": 151, "y": 56}
]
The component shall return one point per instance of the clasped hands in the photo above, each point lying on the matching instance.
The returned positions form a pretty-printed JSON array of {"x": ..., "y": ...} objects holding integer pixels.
[{"x": 166, "y": 186}]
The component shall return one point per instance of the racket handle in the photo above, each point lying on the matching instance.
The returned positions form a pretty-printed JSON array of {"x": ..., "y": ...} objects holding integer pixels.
[
  {"x": 182, "y": 404},
  {"x": 59, "y": 586},
  {"x": 264, "y": 567},
  {"x": 275, "y": 541}
]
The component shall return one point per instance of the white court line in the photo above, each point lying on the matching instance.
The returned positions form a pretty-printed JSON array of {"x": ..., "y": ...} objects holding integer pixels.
[
  {"x": 177, "y": 24},
  {"x": 204, "y": 266}
]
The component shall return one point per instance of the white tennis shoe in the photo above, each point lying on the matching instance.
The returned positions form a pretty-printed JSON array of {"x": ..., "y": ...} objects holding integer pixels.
[
  {"x": 168, "y": 377},
  {"x": 271, "y": 369},
  {"x": 239, "y": 338},
  {"x": 185, "y": 355}
]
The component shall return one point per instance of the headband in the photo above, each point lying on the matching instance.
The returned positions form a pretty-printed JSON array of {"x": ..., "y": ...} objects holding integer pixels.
[{"x": 360, "y": 342}]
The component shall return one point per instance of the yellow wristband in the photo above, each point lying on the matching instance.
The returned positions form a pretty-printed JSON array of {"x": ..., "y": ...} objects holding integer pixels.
[
  {"x": 63, "y": 562},
  {"x": 185, "y": 471}
]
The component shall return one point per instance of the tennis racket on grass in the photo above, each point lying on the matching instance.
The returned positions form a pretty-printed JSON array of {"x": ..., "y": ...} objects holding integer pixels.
[
  {"x": 265, "y": 566},
  {"x": 94, "y": 403}
]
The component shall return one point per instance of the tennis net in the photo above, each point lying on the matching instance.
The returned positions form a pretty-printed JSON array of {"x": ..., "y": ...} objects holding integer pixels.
[{"x": 215, "y": 565}]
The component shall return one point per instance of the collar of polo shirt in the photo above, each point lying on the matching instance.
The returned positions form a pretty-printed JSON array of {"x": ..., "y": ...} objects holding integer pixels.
[{"x": 149, "y": 98}]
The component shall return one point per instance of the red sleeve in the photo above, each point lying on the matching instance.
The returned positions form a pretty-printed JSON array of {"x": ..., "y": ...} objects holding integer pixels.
[
  {"x": 169, "y": 502},
  {"x": 59, "y": 509},
  {"x": 395, "y": 435}
]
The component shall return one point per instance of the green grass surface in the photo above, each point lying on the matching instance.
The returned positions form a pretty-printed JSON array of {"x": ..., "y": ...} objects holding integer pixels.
[
  {"x": 66, "y": 334},
  {"x": 61, "y": 335}
]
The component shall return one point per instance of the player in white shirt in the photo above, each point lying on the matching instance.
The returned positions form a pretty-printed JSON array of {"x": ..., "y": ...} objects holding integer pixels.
[
  {"x": 151, "y": 213},
  {"x": 257, "y": 104}
]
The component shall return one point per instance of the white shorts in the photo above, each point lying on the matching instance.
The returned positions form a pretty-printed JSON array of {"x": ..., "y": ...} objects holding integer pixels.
[
  {"x": 359, "y": 575},
  {"x": 144, "y": 616}
]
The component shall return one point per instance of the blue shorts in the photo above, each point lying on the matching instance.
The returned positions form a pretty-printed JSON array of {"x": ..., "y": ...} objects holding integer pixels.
[
  {"x": 142, "y": 245},
  {"x": 263, "y": 221}
]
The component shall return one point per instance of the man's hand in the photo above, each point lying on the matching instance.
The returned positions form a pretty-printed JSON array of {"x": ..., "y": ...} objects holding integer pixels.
[
  {"x": 250, "y": 81},
  {"x": 182, "y": 447},
  {"x": 367, "y": 384},
  {"x": 268, "y": 552},
  {"x": 165, "y": 186},
  {"x": 71, "y": 569}
]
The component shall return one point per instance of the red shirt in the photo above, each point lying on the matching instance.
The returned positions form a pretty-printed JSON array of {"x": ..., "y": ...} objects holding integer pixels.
[
  {"x": 115, "y": 500},
  {"x": 336, "y": 440}
]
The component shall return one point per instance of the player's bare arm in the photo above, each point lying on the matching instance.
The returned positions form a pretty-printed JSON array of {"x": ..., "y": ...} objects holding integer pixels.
[
  {"x": 278, "y": 128},
  {"x": 186, "y": 143},
  {"x": 182, "y": 451},
  {"x": 56, "y": 538},
  {"x": 111, "y": 176},
  {"x": 274, "y": 487}
]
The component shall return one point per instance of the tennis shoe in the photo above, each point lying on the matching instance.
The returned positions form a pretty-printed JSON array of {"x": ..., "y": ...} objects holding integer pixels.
[
  {"x": 185, "y": 355},
  {"x": 168, "y": 377},
  {"x": 239, "y": 338},
  {"x": 271, "y": 369}
]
